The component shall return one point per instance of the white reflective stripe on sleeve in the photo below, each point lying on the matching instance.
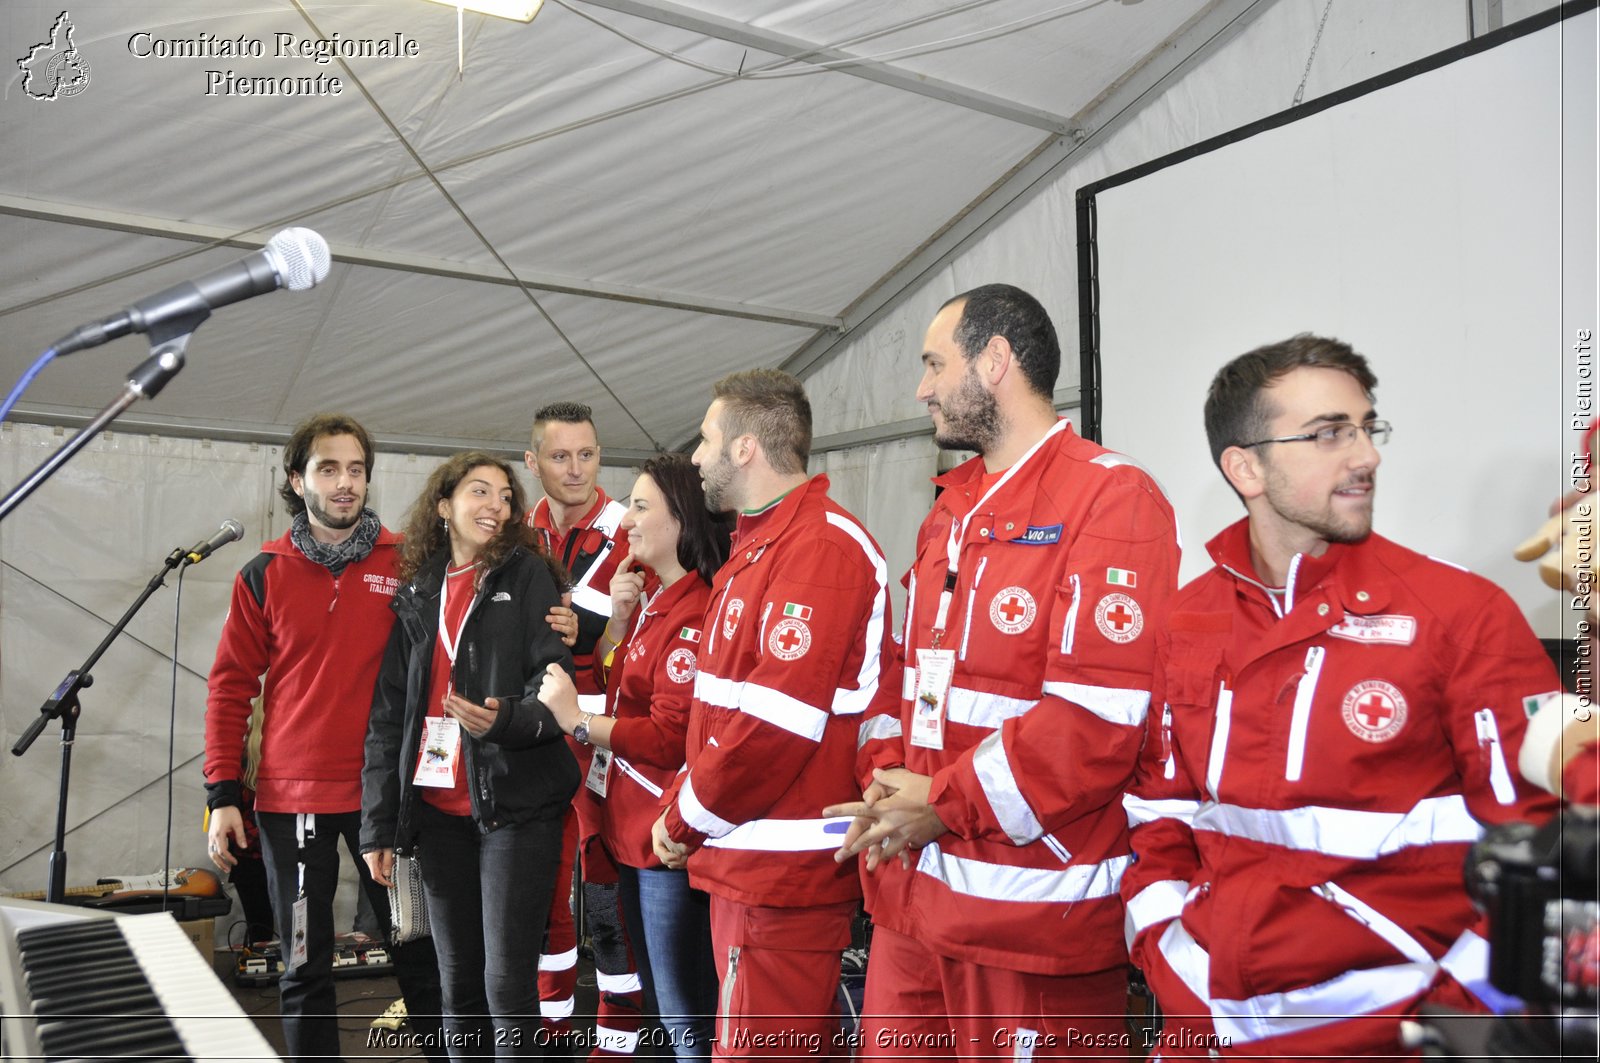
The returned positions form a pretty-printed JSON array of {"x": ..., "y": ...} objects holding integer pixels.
[
  {"x": 633, "y": 773},
  {"x": 559, "y": 961},
  {"x": 1219, "y": 739},
  {"x": 697, "y": 815},
  {"x": 764, "y": 703},
  {"x": 1119, "y": 705},
  {"x": 592, "y": 600},
  {"x": 1336, "y": 1000},
  {"x": 556, "y": 1010},
  {"x": 999, "y": 783},
  {"x": 848, "y": 701},
  {"x": 1000, "y": 882},
  {"x": 595, "y": 703},
  {"x": 1468, "y": 959},
  {"x": 617, "y": 983},
  {"x": 785, "y": 835},
  {"x": 1142, "y": 810},
  {"x": 875, "y": 728},
  {"x": 1298, "y": 722},
  {"x": 1190, "y": 962},
  {"x": 1069, "y": 630},
  {"x": 1375, "y": 921},
  {"x": 620, "y": 1042},
  {"x": 1154, "y": 904},
  {"x": 1489, "y": 739},
  {"x": 978, "y": 709},
  {"x": 1346, "y": 832}
]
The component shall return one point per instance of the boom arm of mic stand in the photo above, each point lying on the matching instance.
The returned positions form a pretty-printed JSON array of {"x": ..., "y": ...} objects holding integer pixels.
[{"x": 146, "y": 381}]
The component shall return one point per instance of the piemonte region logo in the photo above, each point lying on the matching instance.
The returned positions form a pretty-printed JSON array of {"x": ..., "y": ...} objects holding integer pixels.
[{"x": 55, "y": 68}]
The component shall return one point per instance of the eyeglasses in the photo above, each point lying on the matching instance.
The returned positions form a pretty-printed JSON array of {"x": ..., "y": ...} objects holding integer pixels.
[{"x": 1336, "y": 436}]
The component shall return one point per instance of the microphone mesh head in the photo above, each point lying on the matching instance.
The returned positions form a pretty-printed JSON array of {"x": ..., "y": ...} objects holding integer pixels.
[
  {"x": 303, "y": 257},
  {"x": 233, "y": 526}
]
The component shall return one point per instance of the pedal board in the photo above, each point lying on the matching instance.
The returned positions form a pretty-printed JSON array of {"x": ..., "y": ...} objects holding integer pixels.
[{"x": 354, "y": 956}]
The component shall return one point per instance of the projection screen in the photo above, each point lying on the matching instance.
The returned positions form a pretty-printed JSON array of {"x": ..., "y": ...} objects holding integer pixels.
[{"x": 1441, "y": 220}]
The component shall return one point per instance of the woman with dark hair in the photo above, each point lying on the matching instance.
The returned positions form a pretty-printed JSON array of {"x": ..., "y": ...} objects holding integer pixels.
[
  {"x": 638, "y": 744},
  {"x": 464, "y": 765}
]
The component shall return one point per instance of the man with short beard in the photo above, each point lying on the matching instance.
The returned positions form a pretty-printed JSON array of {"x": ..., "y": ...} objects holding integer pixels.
[
  {"x": 1000, "y": 756},
  {"x": 1333, "y": 717},
  {"x": 310, "y": 614},
  {"x": 792, "y": 652}
]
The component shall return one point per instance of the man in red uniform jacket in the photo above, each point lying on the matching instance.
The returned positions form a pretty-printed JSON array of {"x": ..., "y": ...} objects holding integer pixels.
[
  {"x": 791, "y": 654},
  {"x": 1041, "y": 577},
  {"x": 1334, "y": 717},
  {"x": 311, "y": 614},
  {"x": 580, "y": 527}
]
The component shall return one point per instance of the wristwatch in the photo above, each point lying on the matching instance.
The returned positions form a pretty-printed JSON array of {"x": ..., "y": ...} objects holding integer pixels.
[{"x": 581, "y": 732}]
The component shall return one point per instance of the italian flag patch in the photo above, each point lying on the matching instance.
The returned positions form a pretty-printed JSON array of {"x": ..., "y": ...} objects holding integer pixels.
[
  {"x": 799, "y": 612},
  {"x": 1121, "y": 577},
  {"x": 690, "y": 634}
]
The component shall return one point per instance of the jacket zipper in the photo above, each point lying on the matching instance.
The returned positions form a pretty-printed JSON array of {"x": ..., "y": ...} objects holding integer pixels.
[
  {"x": 727, "y": 996},
  {"x": 335, "y": 600},
  {"x": 1219, "y": 741},
  {"x": 1169, "y": 768},
  {"x": 1489, "y": 742},
  {"x": 1300, "y": 721},
  {"x": 972, "y": 594},
  {"x": 1069, "y": 630}
]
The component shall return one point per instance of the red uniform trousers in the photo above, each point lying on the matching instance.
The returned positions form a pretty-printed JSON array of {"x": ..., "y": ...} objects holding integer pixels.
[
  {"x": 778, "y": 973},
  {"x": 620, "y": 1006},
  {"x": 922, "y": 1005},
  {"x": 558, "y": 962}
]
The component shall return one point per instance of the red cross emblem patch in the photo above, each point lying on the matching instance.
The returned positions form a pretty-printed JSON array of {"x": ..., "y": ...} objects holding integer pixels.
[
  {"x": 1119, "y": 618},
  {"x": 1012, "y": 610},
  {"x": 681, "y": 665},
  {"x": 730, "y": 617},
  {"x": 790, "y": 639},
  {"x": 1374, "y": 710}
]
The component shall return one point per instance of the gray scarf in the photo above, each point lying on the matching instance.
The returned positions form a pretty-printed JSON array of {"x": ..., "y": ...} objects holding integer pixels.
[{"x": 335, "y": 556}]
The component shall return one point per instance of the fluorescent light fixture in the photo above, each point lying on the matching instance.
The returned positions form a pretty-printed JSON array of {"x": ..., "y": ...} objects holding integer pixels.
[{"x": 519, "y": 10}]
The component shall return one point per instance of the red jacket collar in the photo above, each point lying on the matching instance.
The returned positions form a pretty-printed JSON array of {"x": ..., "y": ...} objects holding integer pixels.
[
  {"x": 758, "y": 528},
  {"x": 1349, "y": 573}
]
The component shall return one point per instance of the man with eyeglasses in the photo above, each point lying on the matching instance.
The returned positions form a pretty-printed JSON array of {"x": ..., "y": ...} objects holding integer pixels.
[{"x": 1333, "y": 718}]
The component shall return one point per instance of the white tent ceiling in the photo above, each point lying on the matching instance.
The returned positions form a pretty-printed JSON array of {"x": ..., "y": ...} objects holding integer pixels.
[{"x": 617, "y": 203}]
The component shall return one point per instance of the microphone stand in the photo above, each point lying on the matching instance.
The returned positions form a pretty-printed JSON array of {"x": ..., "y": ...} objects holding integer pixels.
[
  {"x": 63, "y": 704},
  {"x": 167, "y": 345}
]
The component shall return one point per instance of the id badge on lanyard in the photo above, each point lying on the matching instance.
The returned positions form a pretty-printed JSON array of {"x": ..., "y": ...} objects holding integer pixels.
[
  {"x": 440, "y": 756},
  {"x": 935, "y": 670},
  {"x": 441, "y": 753}
]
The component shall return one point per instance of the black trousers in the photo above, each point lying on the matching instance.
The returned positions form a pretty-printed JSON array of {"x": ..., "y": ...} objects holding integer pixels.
[{"x": 308, "y": 999}]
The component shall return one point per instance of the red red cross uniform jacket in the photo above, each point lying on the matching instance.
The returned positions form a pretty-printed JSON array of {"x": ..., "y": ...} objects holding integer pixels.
[
  {"x": 319, "y": 640},
  {"x": 790, "y": 659},
  {"x": 1318, "y": 763},
  {"x": 590, "y": 551},
  {"x": 650, "y": 689},
  {"x": 1064, "y": 569}
]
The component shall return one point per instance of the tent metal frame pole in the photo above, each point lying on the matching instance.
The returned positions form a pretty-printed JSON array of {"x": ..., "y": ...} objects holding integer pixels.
[
  {"x": 1204, "y": 35},
  {"x": 677, "y": 16}
]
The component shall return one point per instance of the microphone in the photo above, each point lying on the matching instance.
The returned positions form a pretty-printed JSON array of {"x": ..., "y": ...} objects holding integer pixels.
[
  {"x": 230, "y": 530},
  {"x": 295, "y": 259}
]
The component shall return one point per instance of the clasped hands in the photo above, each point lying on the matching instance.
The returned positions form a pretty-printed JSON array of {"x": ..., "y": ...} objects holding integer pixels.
[{"x": 892, "y": 818}]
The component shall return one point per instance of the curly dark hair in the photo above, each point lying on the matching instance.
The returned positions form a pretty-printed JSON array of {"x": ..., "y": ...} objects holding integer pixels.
[
  {"x": 425, "y": 532},
  {"x": 702, "y": 535}
]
